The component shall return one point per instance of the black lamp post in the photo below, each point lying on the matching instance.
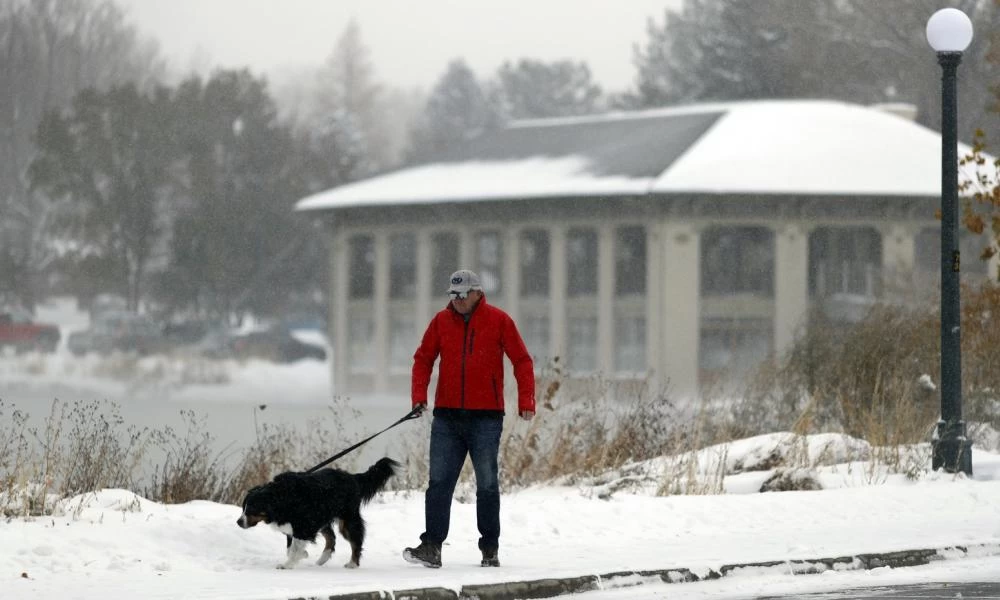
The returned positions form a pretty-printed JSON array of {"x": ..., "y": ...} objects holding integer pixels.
[{"x": 949, "y": 32}]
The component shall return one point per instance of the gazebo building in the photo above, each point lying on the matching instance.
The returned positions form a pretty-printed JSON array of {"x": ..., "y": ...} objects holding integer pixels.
[{"x": 668, "y": 248}]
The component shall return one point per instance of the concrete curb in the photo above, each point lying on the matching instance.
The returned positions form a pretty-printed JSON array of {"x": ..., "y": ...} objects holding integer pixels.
[{"x": 550, "y": 588}]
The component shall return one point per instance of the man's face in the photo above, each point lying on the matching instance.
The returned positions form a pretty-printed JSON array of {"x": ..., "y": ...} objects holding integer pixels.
[{"x": 465, "y": 305}]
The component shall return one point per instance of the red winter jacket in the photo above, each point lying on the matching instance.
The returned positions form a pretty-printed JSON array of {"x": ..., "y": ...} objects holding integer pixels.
[{"x": 470, "y": 374}]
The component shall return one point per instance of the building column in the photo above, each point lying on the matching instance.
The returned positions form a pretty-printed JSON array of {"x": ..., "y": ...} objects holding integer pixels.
[
  {"x": 899, "y": 252},
  {"x": 605, "y": 299},
  {"x": 557, "y": 294},
  {"x": 511, "y": 272},
  {"x": 339, "y": 289},
  {"x": 380, "y": 312},
  {"x": 791, "y": 283},
  {"x": 681, "y": 293},
  {"x": 654, "y": 295},
  {"x": 422, "y": 302}
]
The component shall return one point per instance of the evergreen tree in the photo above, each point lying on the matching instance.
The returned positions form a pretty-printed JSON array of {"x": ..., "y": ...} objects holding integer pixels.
[
  {"x": 51, "y": 50},
  {"x": 237, "y": 244},
  {"x": 108, "y": 161},
  {"x": 349, "y": 124},
  {"x": 888, "y": 41},
  {"x": 534, "y": 89},
  {"x": 854, "y": 50},
  {"x": 458, "y": 109}
]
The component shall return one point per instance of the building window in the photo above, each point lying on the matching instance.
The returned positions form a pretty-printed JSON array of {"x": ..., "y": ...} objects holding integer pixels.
[
  {"x": 402, "y": 342},
  {"x": 362, "y": 266},
  {"x": 582, "y": 347},
  {"x": 845, "y": 260},
  {"x": 403, "y": 265},
  {"x": 444, "y": 261},
  {"x": 581, "y": 262},
  {"x": 630, "y": 300},
  {"x": 489, "y": 261},
  {"x": 737, "y": 260},
  {"x": 534, "y": 248},
  {"x": 630, "y": 261},
  {"x": 731, "y": 348},
  {"x": 360, "y": 346},
  {"x": 630, "y": 344},
  {"x": 535, "y": 332}
]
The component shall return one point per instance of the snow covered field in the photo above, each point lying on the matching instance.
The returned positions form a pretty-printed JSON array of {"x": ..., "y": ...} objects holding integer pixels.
[{"x": 113, "y": 545}]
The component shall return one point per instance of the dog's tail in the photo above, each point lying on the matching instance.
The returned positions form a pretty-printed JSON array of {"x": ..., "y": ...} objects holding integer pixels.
[{"x": 375, "y": 478}]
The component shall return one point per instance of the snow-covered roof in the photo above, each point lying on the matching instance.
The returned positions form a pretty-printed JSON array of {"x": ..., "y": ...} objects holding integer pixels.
[{"x": 813, "y": 147}]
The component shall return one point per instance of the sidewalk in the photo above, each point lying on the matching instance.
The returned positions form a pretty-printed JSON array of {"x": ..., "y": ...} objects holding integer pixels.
[
  {"x": 113, "y": 545},
  {"x": 549, "y": 588}
]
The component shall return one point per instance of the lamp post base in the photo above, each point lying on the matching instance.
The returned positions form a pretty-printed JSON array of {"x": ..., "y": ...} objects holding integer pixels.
[{"x": 953, "y": 455}]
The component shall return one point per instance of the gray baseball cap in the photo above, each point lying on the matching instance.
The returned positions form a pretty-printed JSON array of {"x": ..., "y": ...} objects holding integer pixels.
[{"x": 463, "y": 281}]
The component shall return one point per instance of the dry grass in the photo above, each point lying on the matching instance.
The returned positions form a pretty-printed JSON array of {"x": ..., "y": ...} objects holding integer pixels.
[
  {"x": 83, "y": 446},
  {"x": 859, "y": 379},
  {"x": 868, "y": 381}
]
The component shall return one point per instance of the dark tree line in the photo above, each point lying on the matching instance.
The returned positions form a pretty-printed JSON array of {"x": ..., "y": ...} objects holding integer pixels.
[
  {"x": 181, "y": 196},
  {"x": 854, "y": 50},
  {"x": 862, "y": 51},
  {"x": 50, "y": 50},
  {"x": 461, "y": 106},
  {"x": 108, "y": 158}
]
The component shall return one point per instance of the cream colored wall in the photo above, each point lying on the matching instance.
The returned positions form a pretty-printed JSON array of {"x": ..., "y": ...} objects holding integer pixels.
[
  {"x": 680, "y": 319},
  {"x": 791, "y": 283},
  {"x": 673, "y": 309}
]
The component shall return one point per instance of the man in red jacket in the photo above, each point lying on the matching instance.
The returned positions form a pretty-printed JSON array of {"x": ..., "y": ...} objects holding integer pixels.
[{"x": 471, "y": 338}]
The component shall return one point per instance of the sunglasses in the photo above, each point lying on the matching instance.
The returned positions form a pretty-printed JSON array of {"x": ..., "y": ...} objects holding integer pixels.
[{"x": 459, "y": 295}]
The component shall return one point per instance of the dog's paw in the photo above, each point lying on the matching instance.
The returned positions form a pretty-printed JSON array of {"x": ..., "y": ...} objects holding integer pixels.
[
  {"x": 351, "y": 565},
  {"x": 324, "y": 557}
]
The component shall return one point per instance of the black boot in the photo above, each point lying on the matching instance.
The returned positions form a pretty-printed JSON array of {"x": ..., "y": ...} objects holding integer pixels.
[
  {"x": 490, "y": 558},
  {"x": 425, "y": 554}
]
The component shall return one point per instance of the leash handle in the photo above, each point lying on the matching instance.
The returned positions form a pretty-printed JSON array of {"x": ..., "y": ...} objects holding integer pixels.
[{"x": 413, "y": 414}]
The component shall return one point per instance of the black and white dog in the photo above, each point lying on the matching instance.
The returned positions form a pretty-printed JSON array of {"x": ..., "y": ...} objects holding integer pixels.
[{"x": 302, "y": 505}]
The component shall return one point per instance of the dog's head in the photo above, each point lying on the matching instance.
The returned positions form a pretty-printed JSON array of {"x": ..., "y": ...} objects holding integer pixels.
[{"x": 256, "y": 507}]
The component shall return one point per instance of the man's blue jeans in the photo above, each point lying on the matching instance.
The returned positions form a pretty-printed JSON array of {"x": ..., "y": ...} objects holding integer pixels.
[{"x": 453, "y": 437}]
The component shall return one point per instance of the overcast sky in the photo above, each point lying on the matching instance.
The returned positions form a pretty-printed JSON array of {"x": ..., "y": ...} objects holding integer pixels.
[{"x": 411, "y": 41}]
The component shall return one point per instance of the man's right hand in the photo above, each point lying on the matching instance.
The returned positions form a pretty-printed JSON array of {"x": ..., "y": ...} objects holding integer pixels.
[{"x": 420, "y": 408}]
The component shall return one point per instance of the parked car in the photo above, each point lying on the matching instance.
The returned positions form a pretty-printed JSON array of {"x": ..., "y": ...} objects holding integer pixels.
[
  {"x": 107, "y": 303},
  {"x": 189, "y": 332},
  {"x": 217, "y": 343},
  {"x": 117, "y": 331},
  {"x": 275, "y": 344},
  {"x": 304, "y": 320},
  {"x": 20, "y": 331}
]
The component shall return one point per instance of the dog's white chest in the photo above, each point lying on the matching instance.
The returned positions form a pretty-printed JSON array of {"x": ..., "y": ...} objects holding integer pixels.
[{"x": 285, "y": 528}]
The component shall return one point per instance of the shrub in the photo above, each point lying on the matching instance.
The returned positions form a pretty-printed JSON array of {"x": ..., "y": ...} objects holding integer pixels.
[{"x": 874, "y": 379}]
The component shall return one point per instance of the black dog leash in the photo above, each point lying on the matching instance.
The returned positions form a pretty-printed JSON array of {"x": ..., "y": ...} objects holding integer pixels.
[{"x": 413, "y": 414}]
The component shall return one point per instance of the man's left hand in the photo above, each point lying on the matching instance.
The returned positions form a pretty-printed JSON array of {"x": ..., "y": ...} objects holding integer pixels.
[{"x": 527, "y": 415}]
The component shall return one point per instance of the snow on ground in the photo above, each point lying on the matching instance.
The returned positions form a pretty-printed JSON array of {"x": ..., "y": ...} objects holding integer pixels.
[{"x": 112, "y": 544}]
